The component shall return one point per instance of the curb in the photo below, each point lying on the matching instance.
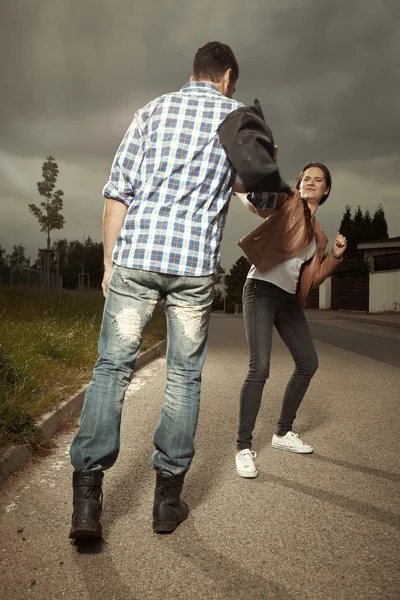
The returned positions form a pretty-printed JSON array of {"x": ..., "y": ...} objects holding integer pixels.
[
  {"x": 367, "y": 321},
  {"x": 15, "y": 456}
]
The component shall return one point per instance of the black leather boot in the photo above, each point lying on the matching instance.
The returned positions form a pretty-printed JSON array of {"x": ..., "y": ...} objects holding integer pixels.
[
  {"x": 88, "y": 498},
  {"x": 168, "y": 510}
]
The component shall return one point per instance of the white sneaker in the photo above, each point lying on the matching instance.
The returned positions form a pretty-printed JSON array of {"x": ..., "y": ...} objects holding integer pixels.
[
  {"x": 245, "y": 466},
  {"x": 291, "y": 442}
]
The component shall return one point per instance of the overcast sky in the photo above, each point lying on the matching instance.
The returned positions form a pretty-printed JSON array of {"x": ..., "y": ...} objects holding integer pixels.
[{"x": 73, "y": 72}]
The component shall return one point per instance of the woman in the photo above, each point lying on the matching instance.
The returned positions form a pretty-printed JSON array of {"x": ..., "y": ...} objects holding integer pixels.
[{"x": 287, "y": 252}]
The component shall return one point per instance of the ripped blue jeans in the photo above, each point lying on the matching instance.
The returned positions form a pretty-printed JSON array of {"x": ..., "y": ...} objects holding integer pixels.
[{"x": 132, "y": 296}]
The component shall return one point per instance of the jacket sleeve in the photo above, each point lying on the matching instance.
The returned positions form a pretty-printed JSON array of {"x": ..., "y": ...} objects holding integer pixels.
[
  {"x": 249, "y": 145},
  {"x": 325, "y": 269},
  {"x": 272, "y": 203}
]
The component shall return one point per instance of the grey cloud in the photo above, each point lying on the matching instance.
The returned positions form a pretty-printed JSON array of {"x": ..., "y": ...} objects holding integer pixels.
[
  {"x": 326, "y": 73},
  {"x": 329, "y": 67}
]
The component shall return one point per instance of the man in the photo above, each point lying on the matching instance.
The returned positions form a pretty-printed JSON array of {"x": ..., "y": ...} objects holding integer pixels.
[{"x": 165, "y": 210}]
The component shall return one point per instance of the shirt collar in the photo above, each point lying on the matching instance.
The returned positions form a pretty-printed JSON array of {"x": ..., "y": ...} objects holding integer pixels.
[{"x": 200, "y": 86}]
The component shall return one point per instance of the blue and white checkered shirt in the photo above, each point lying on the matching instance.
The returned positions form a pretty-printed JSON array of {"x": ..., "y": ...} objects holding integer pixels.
[{"x": 174, "y": 176}]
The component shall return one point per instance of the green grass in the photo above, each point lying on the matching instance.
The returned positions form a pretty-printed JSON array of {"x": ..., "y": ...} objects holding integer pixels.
[{"x": 48, "y": 347}]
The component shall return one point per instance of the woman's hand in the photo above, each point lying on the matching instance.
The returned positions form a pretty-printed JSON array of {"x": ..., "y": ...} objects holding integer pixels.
[{"x": 339, "y": 246}]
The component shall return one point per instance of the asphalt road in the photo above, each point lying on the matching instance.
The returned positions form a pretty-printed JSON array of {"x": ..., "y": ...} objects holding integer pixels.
[
  {"x": 316, "y": 527},
  {"x": 374, "y": 341}
]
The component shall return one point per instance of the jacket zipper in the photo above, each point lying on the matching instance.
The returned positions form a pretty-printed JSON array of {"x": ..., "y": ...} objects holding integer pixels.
[{"x": 258, "y": 237}]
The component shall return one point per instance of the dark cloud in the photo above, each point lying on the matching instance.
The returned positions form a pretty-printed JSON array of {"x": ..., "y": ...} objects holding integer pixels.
[{"x": 73, "y": 73}]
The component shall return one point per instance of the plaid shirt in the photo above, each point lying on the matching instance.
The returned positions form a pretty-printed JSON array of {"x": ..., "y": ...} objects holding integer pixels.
[{"x": 174, "y": 176}]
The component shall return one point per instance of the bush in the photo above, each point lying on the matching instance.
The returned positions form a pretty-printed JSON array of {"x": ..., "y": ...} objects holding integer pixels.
[
  {"x": 48, "y": 347},
  {"x": 218, "y": 303},
  {"x": 351, "y": 267}
]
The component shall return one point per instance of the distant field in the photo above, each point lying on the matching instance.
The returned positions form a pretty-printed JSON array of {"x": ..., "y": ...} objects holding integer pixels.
[{"x": 48, "y": 347}]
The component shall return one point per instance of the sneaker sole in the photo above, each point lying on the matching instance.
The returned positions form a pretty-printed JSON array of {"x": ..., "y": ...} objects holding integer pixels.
[
  {"x": 246, "y": 474},
  {"x": 292, "y": 449}
]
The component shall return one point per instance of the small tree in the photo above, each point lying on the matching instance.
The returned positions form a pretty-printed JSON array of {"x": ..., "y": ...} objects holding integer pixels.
[
  {"x": 368, "y": 234},
  {"x": 49, "y": 215},
  {"x": 236, "y": 280},
  {"x": 379, "y": 224},
  {"x": 3, "y": 258},
  {"x": 359, "y": 229},
  {"x": 219, "y": 275},
  {"x": 18, "y": 259},
  {"x": 347, "y": 229},
  {"x": 76, "y": 257},
  {"x": 218, "y": 302}
]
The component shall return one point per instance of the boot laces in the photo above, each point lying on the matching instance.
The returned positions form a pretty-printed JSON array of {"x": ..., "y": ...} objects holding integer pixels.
[
  {"x": 92, "y": 489},
  {"x": 163, "y": 485}
]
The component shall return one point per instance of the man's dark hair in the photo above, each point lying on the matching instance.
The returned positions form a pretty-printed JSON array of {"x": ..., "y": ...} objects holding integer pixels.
[{"x": 212, "y": 60}]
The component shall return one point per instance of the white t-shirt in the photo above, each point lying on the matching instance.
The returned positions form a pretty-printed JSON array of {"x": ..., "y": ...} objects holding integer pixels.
[{"x": 286, "y": 274}]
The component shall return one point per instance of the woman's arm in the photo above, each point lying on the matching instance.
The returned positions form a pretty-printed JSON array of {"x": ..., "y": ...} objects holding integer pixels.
[
  {"x": 331, "y": 262},
  {"x": 325, "y": 269},
  {"x": 251, "y": 207}
]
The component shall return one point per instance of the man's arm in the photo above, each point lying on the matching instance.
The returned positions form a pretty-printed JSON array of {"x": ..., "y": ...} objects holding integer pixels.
[
  {"x": 120, "y": 191},
  {"x": 113, "y": 220},
  {"x": 249, "y": 145}
]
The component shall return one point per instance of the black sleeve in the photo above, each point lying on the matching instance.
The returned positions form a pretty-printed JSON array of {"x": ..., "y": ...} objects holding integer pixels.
[
  {"x": 263, "y": 200},
  {"x": 249, "y": 145}
]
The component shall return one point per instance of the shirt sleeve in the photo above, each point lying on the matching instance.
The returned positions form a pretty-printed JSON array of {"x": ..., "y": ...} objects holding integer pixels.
[{"x": 125, "y": 171}]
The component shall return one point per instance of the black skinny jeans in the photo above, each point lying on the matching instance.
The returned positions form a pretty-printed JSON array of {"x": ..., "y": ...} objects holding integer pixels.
[{"x": 266, "y": 305}]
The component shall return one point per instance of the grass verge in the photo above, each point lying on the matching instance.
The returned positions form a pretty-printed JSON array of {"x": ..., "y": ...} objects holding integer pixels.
[{"x": 48, "y": 347}]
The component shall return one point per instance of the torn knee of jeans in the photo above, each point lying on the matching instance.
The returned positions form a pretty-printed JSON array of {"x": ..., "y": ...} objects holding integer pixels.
[
  {"x": 129, "y": 324},
  {"x": 191, "y": 318}
]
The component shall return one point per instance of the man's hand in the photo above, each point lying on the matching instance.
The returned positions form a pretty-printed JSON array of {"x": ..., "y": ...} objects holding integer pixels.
[
  {"x": 106, "y": 278},
  {"x": 113, "y": 219},
  {"x": 339, "y": 246}
]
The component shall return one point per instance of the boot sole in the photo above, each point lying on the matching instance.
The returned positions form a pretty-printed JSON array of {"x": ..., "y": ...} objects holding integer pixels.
[
  {"x": 85, "y": 533},
  {"x": 167, "y": 526}
]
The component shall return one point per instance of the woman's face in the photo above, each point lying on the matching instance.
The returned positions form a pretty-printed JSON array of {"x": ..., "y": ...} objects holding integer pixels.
[{"x": 313, "y": 185}]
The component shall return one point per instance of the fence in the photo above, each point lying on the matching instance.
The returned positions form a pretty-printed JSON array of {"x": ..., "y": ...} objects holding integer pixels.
[
  {"x": 10, "y": 277},
  {"x": 351, "y": 293},
  {"x": 375, "y": 293}
]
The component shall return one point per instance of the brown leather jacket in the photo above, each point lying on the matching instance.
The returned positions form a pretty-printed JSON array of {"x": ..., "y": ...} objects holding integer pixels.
[{"x": 282, "y": 235}]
